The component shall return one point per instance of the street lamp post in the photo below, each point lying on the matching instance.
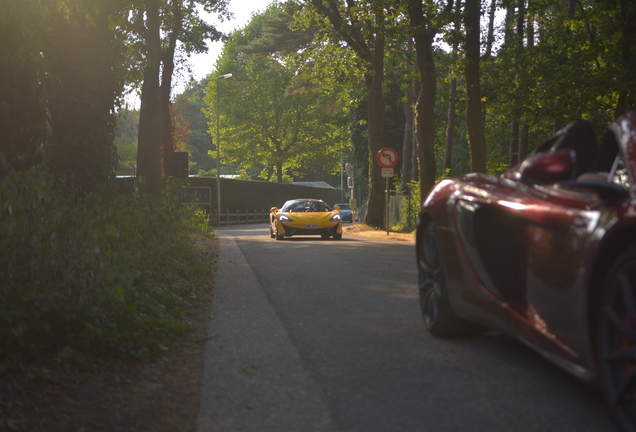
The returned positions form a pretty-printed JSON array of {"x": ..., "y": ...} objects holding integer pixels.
[{"x": 218, "y": 151}]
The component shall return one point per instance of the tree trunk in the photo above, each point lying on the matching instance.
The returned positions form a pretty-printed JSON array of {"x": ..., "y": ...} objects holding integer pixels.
[
  {"x": 490, "y": 39},
  {"x": 424, "y": 35},
  {"x": 407, "y": 143},
  {"x": 521, "y": 20},
  {"x": 514, "y": 144},
  {"x": 23, "y": 116},
  {"x": 523, "y": 142},
  {"x": 473, "y": 89},
  {"x": 628, "y": 38},
  {"x": 450, "y": 124},
  {"x": 530, "y": 29},
  {"x": 426, "y": 113},
  {"x": 374, "y": 83},
  {"x": 150, "y": 116},
  {"x": 167, "y": 138},
  {"x": 352, "y": 34},
  {"x": 509, "y": 20},
  {"x": 81, "y": 151},
  {"x": 415, "y": 170},
  {"x": 524, "y": 134},
  {"x": 571, "y": 8},
  {"x": 279, "y": 172}
]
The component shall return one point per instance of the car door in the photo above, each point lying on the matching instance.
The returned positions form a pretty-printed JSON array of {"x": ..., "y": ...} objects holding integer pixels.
[{"x": 525, "y": 244}]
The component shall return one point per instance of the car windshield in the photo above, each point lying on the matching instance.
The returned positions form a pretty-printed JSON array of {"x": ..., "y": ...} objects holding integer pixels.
[{"x": 306, "y": 207}]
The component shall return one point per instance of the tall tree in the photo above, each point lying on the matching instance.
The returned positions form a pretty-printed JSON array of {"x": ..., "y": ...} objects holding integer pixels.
[
  {"x": 490, "y": 36},
  {"x": 409, "y": 128},
  {"x": 167, "y": 60},
  {"x": 424, "y": 32},
  {"x": 425, "y": 20},
  {"x": 627, "y": 32},
  {"x": 451, "y": 118},
  {"x": 85, "y": 50},
  {"x": 273, "y": 116},
  {"x": 189, "y": 106},
  {"x": 150, "y": 113},
  {"x": 454, "y": 39},
  {"x": 362, "y": 26},
  {"x": 472, "y": 13},
  {"x": 163, "y": 27},
  {"x": 22, "y": 113},
  {"x": 525, "y": 128}
]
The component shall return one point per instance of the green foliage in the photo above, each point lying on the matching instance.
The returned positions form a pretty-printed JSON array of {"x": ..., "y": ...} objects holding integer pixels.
[
  {"x": 274, "y": 120},
  {"x": 576, "y": 67},
  {"x": 126, "y": 130},
  {"x": 189, "y": 105},
  {"x": 106, "y": 273},
  {"x": 445, "y": 174},
  {"x": 286, "y": 179},
  {"x": 210, "y": 173},
  {"x": 409, "y": 209}
]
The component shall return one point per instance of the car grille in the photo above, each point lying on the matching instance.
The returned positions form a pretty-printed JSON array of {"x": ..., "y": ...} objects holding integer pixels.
[{"x": 290, "y": 230}]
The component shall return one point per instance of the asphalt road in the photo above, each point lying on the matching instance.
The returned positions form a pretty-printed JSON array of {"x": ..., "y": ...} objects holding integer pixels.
[{"x": 315, "y": 335}]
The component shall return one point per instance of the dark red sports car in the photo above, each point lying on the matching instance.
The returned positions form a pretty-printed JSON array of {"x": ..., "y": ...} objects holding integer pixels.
[{"x": 545, "y": 252}]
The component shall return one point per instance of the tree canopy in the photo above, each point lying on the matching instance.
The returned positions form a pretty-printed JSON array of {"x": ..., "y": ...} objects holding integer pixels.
[
  {"x": 313, "y": 81},
  {"x": 275, "y": 119}
]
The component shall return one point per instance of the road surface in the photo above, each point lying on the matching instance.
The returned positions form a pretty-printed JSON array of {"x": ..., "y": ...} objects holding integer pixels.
[{"x": 322, "y": 335}]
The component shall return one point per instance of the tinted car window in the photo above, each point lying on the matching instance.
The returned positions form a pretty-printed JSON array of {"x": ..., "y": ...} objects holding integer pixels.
[{"x": 306, "y": 207}]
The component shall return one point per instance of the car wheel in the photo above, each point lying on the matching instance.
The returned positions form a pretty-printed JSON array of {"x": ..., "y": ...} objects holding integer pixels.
[
  {"x": 439, "y": 317},
  {"x": 271, "y": 232},
  {"x": 337, "y": 236},
  {"x": 616, "y": 340},
  {"x": 278, "y": 236}
]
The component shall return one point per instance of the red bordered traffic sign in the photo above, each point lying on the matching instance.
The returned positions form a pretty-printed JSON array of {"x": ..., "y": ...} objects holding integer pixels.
[{"x": 387, "y": 157}]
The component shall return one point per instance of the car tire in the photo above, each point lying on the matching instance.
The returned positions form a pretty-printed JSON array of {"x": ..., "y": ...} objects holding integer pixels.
[
  {"x": 616, "y": 340},
  {"x": 437, "y": 312},
  {"x": 324, "y": 236},
  {"x": 271, "y": 232},
  {"x": 337, "y": 236},
  {"x": 278, "y": 236}
]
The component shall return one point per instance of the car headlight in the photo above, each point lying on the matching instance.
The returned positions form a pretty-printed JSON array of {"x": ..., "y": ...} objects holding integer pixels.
[
  {"x": 335, "y": 217},
  {"x": 284, "y": 218}
]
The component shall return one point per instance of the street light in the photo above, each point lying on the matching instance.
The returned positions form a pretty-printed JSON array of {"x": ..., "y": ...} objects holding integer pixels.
[{"x": 218, "y": 151}]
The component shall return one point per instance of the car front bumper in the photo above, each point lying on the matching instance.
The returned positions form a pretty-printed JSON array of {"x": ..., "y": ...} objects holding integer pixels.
[{"x": 290, "y": 230}]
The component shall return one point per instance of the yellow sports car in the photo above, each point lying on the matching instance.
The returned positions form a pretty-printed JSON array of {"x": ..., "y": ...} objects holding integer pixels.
[{"x": 305, "y": 217}]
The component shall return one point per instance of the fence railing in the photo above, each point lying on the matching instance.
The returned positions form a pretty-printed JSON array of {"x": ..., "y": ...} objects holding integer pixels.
[{"x": 243, "y": 217}]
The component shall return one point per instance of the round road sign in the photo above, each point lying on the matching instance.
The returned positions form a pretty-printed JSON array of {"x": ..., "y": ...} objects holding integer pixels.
[{"x": 387, "y": 157}]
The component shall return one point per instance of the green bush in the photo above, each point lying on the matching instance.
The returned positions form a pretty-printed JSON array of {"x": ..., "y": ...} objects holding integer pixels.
[
  {"x": 103, "y": 273},
  {"x": 409, "y": 209}
]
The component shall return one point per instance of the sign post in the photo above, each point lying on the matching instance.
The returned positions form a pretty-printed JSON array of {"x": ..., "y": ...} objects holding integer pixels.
[
  {"x": 350, "y": 176},
  {"x": 387, "y": 158}
]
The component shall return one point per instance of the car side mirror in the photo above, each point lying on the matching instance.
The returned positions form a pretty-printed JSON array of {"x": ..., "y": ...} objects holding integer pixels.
[
  {"x": 548, "y": 167},
  {"x": 273, "y": 209}
]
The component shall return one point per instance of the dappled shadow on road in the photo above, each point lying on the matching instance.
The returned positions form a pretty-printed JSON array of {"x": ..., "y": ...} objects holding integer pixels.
[{"x": 351, "y": 309}]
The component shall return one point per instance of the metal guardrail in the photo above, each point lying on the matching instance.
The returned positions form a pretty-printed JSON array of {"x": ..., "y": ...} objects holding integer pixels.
[{"x": 243, "y": 217}]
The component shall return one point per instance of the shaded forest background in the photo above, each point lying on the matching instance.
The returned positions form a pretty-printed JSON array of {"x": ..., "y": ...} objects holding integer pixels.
[{"x": 454, "y": 86}]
